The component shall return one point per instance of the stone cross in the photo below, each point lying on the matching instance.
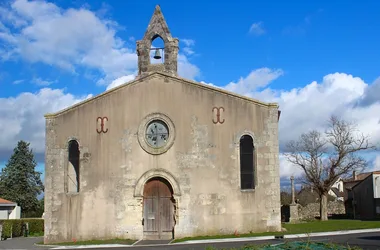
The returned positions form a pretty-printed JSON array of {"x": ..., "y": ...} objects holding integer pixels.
[{"x": 293, "y": 193}]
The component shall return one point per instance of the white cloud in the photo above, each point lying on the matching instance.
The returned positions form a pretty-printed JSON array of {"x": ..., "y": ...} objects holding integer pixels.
[
  {"x": 40, "y": 31},
  {"x": 66, "y": 38},
  {"x": 377, "y": 163},
  {"x": 40, "y": 82},
  {"x": 121, "y": 80},
  {"x": 188, "y": 48},
  {"x": 309, "y": 107},
  {"x": 371, "y": 95},
  {"x": 255, "y": 80},
  {"x": 287, "y": 169},
  {"x": 188, "y": 42},
  {"x": 18, "y": 81},
  {"x": 187, "y": 69},
  {"x": 257, "y": 29},
  {"x": 22, "y": 117}
]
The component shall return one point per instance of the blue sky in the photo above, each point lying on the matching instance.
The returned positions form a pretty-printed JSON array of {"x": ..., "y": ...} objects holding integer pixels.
[
  {"x": 307, "y": 39},
  {"x": 316, "y": 57}
]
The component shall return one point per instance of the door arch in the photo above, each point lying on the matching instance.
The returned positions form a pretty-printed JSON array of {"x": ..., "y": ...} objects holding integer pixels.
[{"x": 158, "y": 210}]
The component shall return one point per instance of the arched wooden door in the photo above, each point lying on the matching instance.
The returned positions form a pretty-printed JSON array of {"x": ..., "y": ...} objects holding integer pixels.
[{"x": 158, "y": 210}]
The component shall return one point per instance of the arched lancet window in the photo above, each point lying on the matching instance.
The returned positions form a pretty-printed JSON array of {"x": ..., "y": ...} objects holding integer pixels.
[
  {"x": 247, "y": 162},
  {"x": 157, "y": 42},
  {"x": 73, "y": 168}
]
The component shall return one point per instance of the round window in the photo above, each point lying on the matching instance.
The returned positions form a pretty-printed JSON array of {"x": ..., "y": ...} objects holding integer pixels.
[{"x": 157, "y": 133}]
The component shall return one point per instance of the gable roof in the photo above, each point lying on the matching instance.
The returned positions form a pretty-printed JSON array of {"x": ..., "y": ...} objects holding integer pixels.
[
  {"x": 337, "y": 192},
  {"x": 359, "y": 177},
  {"x": 162, "y": 74},
  {"x": 351, "y": 183},
  {"x": 4, "y": 202}
]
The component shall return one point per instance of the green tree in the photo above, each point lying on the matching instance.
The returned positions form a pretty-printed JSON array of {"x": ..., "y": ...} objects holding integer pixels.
[{"x": 19, "y": 181}]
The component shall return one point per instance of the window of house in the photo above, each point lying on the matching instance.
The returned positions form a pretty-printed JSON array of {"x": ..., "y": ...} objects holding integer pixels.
[
  {"x": 73, "y": 167},
  {"x": 247, "y": 162}
]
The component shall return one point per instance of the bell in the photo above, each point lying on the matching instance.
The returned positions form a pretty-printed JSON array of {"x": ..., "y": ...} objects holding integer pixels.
[{"x": 157, "y": 54}]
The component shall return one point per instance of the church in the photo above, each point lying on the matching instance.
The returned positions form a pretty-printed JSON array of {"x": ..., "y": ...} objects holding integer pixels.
[{"x": 161, "y": 157}]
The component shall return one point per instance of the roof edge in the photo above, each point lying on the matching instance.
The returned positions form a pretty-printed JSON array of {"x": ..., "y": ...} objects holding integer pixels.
[
  {"x": 361, "y": 181},
  {"x": 220, "y": 90},
  {"x": 8, "y": 204},
  {"x": 155, "y": 73},
  {"x": 55, "y": 114}
]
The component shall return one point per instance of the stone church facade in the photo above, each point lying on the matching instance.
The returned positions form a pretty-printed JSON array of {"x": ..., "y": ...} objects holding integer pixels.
[{"x": 161, "y": 157}]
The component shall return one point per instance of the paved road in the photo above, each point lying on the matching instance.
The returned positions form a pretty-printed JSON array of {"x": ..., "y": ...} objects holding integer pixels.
[
  {"x": 21, "y": 243},
  {"x": 364, "y": 241}
]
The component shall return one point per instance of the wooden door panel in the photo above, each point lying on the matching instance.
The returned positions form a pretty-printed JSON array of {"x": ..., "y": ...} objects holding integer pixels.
[
  {"x": 166, "y": 215},
  {"x": 151, "y": 217}
]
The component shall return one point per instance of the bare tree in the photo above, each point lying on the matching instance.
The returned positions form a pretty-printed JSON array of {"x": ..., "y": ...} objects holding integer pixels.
[{"x": 325, "y": 158}]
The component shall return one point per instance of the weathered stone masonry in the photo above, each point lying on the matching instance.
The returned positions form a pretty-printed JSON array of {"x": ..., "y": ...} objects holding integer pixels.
[
  {"x": 157, "y": 28},
  {"x": 200, "y": 160}
]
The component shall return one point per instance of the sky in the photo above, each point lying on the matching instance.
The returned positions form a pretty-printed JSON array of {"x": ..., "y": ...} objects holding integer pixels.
[{"x": 315, "y": 58}]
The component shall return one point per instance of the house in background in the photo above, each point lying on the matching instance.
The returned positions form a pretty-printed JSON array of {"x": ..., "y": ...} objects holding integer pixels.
[
  {"x": 362, "y": 198},
  {"x": 9, "y": 210},
  {"x": 337, "y": 190},
  {"x": 307, "y": 194}
]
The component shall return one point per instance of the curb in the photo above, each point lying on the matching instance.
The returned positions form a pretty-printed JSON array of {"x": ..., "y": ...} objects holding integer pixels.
[
  {"x": 92, "y": 246},
  {"x": 284, "y": 236},
  {"x": 82, "y": 246},
  {"x": 41, "y": 245},
  {"x": 358, "y": 231},
  {"x": 225, "y": 240}
]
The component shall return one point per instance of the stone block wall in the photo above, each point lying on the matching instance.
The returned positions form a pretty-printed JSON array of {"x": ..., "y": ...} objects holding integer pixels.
[{"x": 311, "y": 210}]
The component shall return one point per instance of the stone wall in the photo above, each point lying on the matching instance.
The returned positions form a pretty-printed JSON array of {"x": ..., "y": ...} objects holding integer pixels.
[
  {"x": 201, "y": 161},
  {"x": 311, "y": 210}
]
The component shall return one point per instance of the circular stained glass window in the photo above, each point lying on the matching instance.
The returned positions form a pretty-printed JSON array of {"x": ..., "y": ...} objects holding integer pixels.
[{"x": 157, "y": 133}]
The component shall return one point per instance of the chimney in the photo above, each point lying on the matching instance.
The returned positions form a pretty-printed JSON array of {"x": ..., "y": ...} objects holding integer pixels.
[{"x": 354, "y": 175}]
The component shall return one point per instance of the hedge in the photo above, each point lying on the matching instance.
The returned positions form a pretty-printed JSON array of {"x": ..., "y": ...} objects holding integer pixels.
[{"x": 14, "y": 227}]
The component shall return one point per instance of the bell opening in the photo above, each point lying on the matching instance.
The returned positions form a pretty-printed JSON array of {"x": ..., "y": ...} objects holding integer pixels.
[{"x": 157, "y": 50}]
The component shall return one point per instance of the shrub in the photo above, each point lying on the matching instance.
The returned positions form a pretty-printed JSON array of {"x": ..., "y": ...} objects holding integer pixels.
[
  {"x": 15, "y": 227},
  {"x": 36, "y": 226},
  {"x": 7, "y": 229}
]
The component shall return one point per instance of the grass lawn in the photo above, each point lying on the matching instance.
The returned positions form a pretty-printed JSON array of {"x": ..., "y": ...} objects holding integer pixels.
[
  {"x": 94, "y": 242},
  {"x": 330, "y": 225},
  {"x": 36, "y": 234},
  {"x": 305, "y": 227}
]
